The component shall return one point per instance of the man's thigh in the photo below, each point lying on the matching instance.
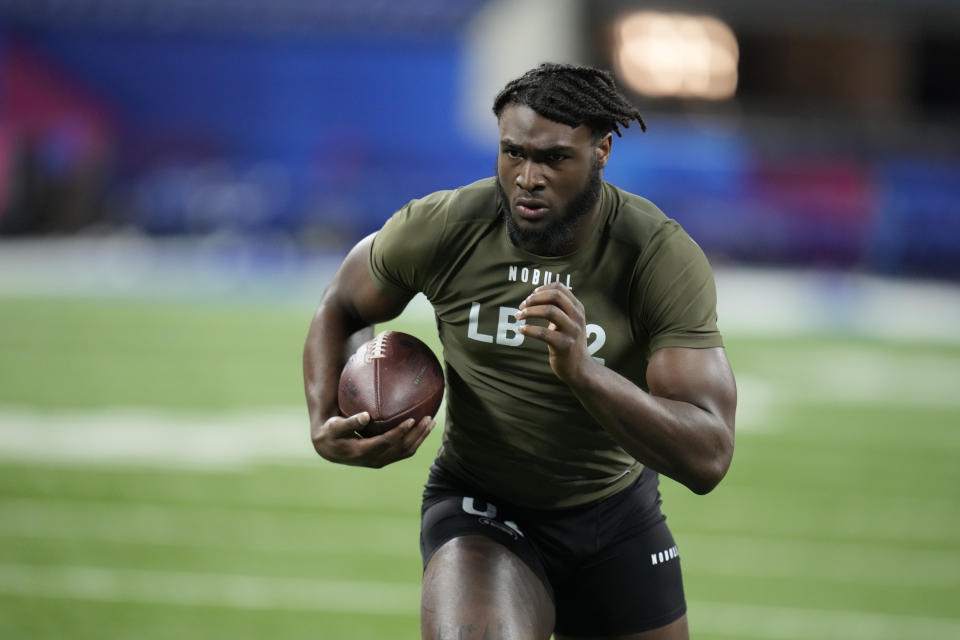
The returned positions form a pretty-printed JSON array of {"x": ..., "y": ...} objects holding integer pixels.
[{"x": 474, "y": 587}]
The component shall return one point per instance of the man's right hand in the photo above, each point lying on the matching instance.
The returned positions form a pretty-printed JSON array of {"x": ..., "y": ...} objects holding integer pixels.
[{"x": 337, "y": 441}]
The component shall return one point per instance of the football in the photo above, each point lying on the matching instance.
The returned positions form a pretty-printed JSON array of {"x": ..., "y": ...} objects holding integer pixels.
[{"x": 394, "y": 376}]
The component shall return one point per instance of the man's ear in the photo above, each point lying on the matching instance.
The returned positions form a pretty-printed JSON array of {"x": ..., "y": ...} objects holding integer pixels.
[{"x": 603, "y": 149}]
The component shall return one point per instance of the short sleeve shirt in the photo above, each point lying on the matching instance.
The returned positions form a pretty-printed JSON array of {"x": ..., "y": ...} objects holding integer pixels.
[{"x": 512, "y": 426}]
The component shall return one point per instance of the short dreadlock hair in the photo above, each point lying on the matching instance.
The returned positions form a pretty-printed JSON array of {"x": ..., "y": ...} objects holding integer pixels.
[{"x": 571, "y": 95}]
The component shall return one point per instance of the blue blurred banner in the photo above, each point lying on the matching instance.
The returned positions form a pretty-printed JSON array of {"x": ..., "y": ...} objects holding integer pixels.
[{"x": 109, "y": 122}]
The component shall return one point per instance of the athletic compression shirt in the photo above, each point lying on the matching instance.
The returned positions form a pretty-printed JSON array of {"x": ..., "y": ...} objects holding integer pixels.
[{"x": 512, "y": 427}]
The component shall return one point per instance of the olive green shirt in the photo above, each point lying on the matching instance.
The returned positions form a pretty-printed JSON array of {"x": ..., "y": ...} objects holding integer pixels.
[{"x": 512, "y": 427}]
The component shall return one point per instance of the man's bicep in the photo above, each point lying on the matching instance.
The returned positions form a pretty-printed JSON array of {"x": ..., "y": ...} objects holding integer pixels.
[
  {"x": 701, "y": 377},
  {"x": 354, "y": 289}
]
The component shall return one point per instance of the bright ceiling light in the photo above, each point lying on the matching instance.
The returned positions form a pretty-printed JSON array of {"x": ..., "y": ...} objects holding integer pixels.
[{"x": 677, "y": 55}]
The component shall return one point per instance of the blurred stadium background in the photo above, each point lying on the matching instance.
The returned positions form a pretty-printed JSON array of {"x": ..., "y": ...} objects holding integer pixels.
[{"x": 179, "y": 178}]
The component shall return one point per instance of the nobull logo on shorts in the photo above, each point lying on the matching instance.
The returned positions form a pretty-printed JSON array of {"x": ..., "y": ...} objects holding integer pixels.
[
  {"x": 488, "y": 513},
  {"x": 664, "y": 556}
]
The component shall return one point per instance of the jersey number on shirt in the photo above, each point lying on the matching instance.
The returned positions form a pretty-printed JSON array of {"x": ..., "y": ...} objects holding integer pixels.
[{"x": 508, "y": 335}]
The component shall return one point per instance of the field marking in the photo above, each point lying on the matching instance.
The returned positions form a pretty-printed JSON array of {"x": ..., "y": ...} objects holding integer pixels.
[
  {"x": 202, "y": 526},
  {"x": 854, "y": 376},
  {"x": 138, "y": 438},
  {"x": 381, "y": 598},
  {"x": 166, "y": 439},
  {"x": 209, "y": 589},
  {"x": 834, "y": 562},
  {"x": 857, "y": 376},
  {"x": 742, "y": 556}
]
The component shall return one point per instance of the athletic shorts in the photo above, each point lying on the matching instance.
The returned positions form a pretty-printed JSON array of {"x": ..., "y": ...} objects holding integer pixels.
[{"x": 611, "y": 566}]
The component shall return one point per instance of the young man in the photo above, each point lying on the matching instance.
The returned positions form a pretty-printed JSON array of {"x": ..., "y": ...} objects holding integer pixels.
[{"x": 582, "y": 356}]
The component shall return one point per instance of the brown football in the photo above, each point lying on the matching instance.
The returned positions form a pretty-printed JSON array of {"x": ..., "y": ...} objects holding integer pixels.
[{"x": 394, "y": 376}]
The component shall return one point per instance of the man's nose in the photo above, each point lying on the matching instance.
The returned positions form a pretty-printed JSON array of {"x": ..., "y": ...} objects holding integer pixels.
[{"x": 530, "y": 178}]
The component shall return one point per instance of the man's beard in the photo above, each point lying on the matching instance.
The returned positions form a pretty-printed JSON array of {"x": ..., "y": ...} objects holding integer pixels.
[{"x": 557, "y": 238}]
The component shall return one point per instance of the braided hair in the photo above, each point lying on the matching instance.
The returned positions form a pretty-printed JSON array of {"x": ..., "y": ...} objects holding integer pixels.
[{"x": 571, "y": 95}]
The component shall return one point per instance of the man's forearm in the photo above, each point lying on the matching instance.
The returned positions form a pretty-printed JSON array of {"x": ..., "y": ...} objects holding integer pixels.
[
  {"x": 331, "y": 339},
  {"x": 685, "y": 442}
]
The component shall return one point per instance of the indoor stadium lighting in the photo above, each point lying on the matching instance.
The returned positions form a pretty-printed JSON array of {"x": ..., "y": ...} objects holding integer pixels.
[{"x": 677, "y": 55}]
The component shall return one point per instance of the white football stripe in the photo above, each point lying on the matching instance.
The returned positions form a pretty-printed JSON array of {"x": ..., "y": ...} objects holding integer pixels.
[
  {"x": 137, "y": 436},
  {"x": 741, "y": 556},
  {"x": 167, "y": 439},
  {"x": 371, "y": 534},
  {"x": 209, "y": 589},
  {"x": 203, "y": 526}
]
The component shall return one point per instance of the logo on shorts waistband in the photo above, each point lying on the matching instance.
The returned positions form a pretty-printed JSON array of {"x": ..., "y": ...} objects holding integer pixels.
[{"x": 664, "y": 556}]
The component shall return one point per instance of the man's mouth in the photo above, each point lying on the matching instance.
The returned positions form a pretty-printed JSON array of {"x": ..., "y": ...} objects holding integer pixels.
[{"x": 531, "y": 209}]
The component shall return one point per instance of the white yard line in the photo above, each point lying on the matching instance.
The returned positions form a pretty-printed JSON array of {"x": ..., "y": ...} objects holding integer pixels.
[
  {"x": 209, "y": 589},
  {"x": 851, "y": 375},
  {"x": 381, "y": 598},
  {"x": 167, "y": 439},
  {"x": 366, "y": 534},
  {"x": 202, "y": 526},
  {"x": 826, "y": 561},
  {"x": 862, "y": 375}
]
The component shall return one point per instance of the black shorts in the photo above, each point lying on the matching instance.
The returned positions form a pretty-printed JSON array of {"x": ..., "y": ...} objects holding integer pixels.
[{"x": 610, "y": 566}]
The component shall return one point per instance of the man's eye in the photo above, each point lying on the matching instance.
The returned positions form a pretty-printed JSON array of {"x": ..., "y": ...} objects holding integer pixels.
[
  {"x": 553, "y": 158},
  {"x": 514, "y": 153}
]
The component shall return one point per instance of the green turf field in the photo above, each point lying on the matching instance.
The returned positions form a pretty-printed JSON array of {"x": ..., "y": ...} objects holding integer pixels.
[{"x": 840, "y": 517}]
